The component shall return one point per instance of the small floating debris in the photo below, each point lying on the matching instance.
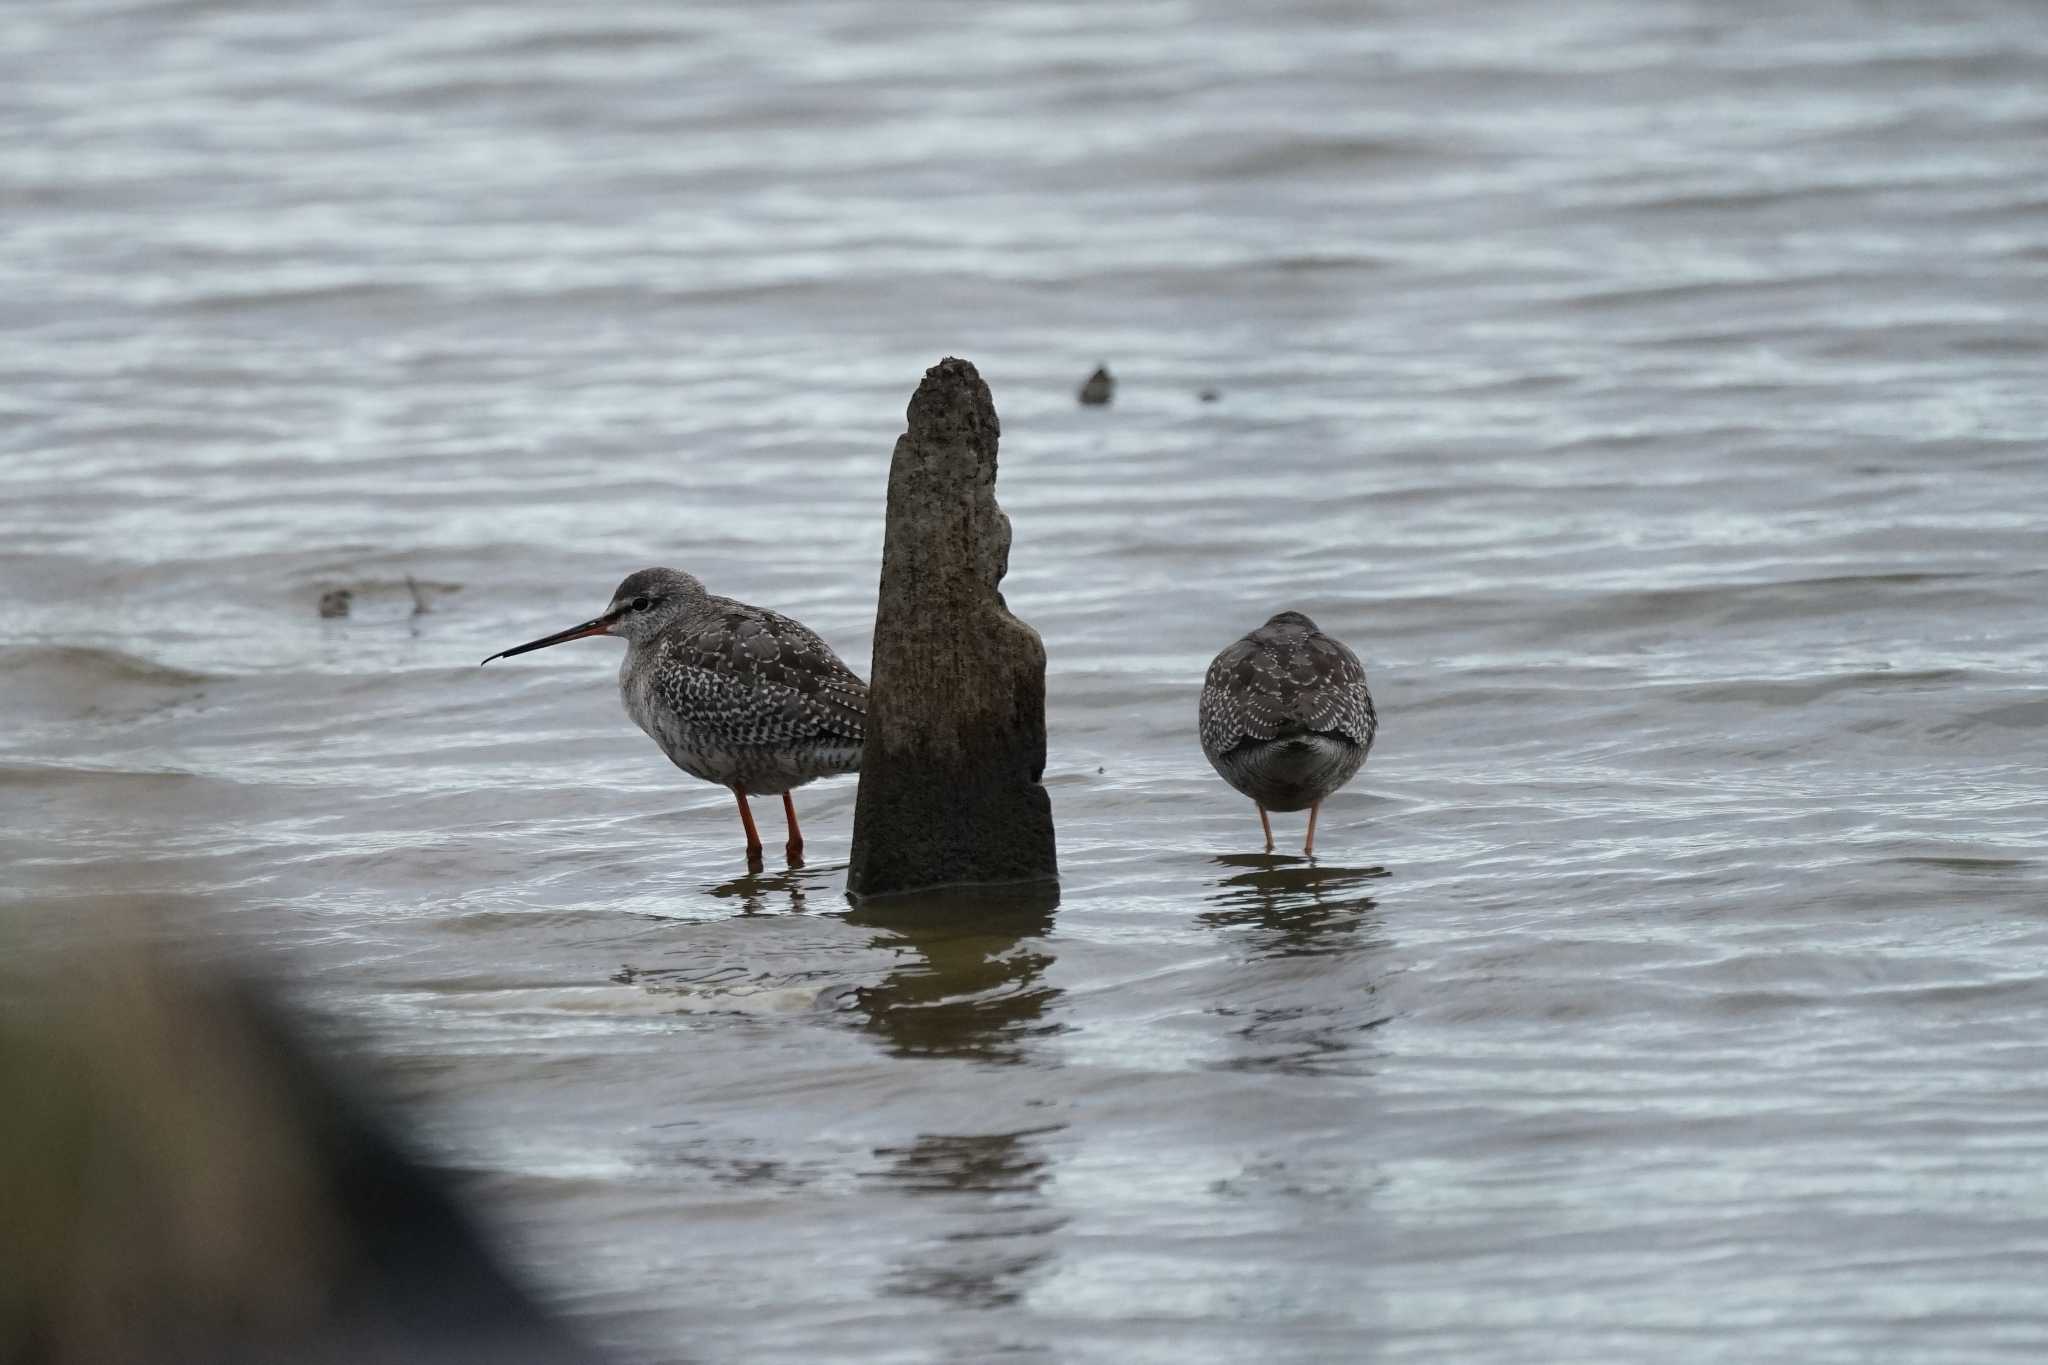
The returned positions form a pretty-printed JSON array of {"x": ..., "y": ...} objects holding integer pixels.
[
  {"x": 1099, "y": 389},
  {"x": 384, "y": 599},
  {"x": 1210, "y": 395}
]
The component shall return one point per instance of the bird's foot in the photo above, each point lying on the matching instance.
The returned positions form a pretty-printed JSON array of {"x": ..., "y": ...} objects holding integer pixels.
[{"x": 794, "y": 851}]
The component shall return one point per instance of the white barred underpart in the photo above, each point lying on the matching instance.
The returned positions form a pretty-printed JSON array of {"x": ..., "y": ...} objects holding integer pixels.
[
  {"x": 1285, "y": 714},
  {"x": 746, "y": 697}
]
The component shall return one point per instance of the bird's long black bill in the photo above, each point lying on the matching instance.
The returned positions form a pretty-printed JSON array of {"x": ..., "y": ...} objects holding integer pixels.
[{"x": 597, "y": 627}]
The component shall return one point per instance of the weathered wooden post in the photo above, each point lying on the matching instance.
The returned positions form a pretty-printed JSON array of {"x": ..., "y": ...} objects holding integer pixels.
[{"x": 949, "y": 784}]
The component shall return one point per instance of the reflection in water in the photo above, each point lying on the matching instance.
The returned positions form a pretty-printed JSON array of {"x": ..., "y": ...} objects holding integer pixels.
[
  {"x": 1298, "y": 907},
  {"x": 1307, "y": 1040},
  {"x": 996, "y": 1182},
  {"x": 963, "y": 984},
  {"x": 760, "y": 892}
]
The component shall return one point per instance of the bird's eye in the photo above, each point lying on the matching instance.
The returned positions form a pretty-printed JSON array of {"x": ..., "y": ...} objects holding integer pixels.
[{"x": 641, "y": 604}]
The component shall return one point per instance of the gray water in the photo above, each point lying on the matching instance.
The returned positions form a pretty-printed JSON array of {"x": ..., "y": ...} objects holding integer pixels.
[{"x": 1651, "y": 393}]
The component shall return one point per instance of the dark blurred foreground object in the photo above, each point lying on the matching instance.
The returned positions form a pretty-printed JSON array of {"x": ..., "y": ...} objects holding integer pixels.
[
  {"x": 1099, "y": 389},
  {"x": 1286, "y": 718},
  {"x": 955, "y": 743},
  {"x": 181, "y": 1181},
  {"x": 335, "y": 602}
]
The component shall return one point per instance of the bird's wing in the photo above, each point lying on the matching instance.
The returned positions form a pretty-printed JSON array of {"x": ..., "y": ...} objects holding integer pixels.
[
  {"x": 1240, "y": 697},
  {"x": 1333, "y": 699},
  {"x": 751, "y": 677},
  {"x": 1270, "y": 684}
]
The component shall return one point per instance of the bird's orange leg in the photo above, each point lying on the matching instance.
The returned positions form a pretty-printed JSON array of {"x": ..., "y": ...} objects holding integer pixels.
[
  {"x": 753, "y": 835},
  {"x": 1308, "y": 845},
  {"x": 795, "y": 847},
  {"x": 1266, "y": 825}
]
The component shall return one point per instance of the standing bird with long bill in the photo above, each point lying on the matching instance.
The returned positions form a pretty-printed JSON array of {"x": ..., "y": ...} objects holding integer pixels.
[{"x": 734, "y": 694}]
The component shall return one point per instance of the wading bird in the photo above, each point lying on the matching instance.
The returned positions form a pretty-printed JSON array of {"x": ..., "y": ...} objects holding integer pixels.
[
  {"x": 1286, "y": 718},
  {"x": 734, "y": 694}
]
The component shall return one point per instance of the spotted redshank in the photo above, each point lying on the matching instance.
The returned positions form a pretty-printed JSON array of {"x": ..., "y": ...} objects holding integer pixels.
[
  {"x": 733, "y": 694},
  {"x": 1286, "y": 718}
]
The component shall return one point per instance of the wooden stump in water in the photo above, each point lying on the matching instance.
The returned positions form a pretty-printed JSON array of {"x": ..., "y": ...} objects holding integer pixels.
[{"x": 949, "y": 784}]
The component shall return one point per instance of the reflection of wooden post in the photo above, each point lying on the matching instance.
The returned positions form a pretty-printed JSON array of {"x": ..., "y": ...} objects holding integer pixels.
[
  {"x": 949, "y": 783},
  {"x": 967, "y": 970}
]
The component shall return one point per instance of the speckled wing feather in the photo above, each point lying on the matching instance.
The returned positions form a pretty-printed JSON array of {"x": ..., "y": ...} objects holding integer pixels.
[
  {"x": 1285, "y": 678},
  {"x": 749, "y": 677}
]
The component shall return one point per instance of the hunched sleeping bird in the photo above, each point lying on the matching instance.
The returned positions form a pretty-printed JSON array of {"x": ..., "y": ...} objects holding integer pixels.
[
  {"x": 1286, "y": 718},
  {"x": 734, "y": 694}
]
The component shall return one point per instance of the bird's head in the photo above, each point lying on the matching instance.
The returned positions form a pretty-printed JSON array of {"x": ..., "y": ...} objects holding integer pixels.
[
  {"x": 643, "y": 605},
  {"x": 1295, "y": 619}
]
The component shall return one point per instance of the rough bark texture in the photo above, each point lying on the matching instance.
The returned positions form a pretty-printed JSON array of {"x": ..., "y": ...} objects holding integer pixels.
[{"x": 955, "y": 747}]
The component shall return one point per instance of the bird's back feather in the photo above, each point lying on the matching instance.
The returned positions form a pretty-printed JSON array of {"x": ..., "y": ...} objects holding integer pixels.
[{"x": 1285, "y": 678}]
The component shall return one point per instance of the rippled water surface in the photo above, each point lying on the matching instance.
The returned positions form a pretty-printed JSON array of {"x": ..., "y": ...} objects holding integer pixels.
[{"x": 1651, "y": 393}]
